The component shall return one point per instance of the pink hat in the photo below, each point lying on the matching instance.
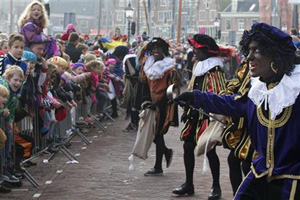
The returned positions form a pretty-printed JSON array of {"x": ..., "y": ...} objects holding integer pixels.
[{"x": 111, "y": 60}]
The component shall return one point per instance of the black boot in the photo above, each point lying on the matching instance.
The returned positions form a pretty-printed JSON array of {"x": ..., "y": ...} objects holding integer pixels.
[
  {"x": 51, "y": 147},
  {"x": 215, "y": 193},
  {"x": 184, "y": 189},
  {"x": 4, "y": 189},
  {"x": 169, "y": 156},
  {"x": 114, "y": 108}
]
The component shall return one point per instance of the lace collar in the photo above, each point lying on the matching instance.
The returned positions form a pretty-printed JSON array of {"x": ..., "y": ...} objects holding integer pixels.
[
  {"x": 204, "y": 66},
  {"x": 281, "y": 96},
  {"x": 155, "y": 70}
]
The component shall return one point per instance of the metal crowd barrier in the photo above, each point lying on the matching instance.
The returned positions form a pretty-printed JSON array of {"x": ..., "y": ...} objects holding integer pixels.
[{"x": 64, "y": 130}]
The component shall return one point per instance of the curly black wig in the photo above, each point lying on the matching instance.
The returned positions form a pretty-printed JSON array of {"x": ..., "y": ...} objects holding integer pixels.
[
  {"x": 156, "y": 41},
  {"x": 272, "y": 42}
]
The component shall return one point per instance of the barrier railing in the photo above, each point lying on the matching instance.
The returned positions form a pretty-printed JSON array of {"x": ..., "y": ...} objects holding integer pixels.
[{"x": 60, "y": 134}]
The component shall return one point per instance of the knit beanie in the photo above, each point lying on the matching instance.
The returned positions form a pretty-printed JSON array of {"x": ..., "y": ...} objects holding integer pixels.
[{"x": 29, "y": 56}]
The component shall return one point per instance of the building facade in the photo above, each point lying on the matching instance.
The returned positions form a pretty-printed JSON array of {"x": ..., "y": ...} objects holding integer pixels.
[{"x": 237, "y": 17}]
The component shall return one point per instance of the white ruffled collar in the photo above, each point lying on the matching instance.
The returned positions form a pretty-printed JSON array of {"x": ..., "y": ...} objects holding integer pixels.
[
  {"x": 204, "y": 66},
  {"x": 281, "y": 96},
  {"x": 155, "y": 70}
]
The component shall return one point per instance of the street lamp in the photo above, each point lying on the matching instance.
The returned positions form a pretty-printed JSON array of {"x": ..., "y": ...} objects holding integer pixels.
[
  {"x": 129, "y": 11},
  {"x": 217, "y": 25}
]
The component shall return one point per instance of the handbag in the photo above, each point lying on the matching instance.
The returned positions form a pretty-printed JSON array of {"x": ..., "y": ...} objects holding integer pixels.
[
  {"x": 210, "y": 136},
  {"x": 145, "y": 134}
]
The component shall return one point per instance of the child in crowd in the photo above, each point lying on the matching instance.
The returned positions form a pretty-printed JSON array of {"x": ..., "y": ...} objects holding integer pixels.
[
  {"x": 62, "y": 48},
  {"x": 58, "y": 91},
  {"x": 4, "y": 93},
  {"x": 3, "y": 47},
  {"x": 32, "y": 22},
  {"x": 27, "y": 98},
  {"x": 83, "y": 48},
  {"x": 14, "y": 55},
  {"x": 88, "y": 57},
  {"x": 69, "y": 29},
  {"x": 78, "y": 73},
  {"x": 112, "y": 80},
  {"x": 30, "y": 59},
  {"x": 12, "y": 80},
  {"x": 96, "y": 68}
]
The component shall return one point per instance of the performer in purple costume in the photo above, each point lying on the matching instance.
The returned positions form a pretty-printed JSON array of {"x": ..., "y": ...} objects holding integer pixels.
[{"x": 272, "y": 108}]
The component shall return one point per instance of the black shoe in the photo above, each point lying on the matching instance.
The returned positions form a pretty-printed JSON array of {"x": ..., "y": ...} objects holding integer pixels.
[
  {"x": 4, "y": 189},
  {"x": 114, "y": 115},
  {"x": 28, "y": 164},
  {"x": 154, "y": 172},
  {"x": 130, "y": 128},
  {"x": 13, "y": 185},
  {"x": 8, "y": 177},
  {"x": 31, "y": 163},
  {"x": 18, "y": 175},
  {"x": 169, "y": 156},
  {"x": 215, "y": 193},
  {"x": 68, "y": 144},
  {"x": 184, "y": 189},
  {"x": 20, "y": 169},
  {"x": 52, "y": 149}
]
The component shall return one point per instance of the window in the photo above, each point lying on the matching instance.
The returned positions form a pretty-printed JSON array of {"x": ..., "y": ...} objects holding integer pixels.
[
  {"x": 160, "y": 16},
  {"x": 165, "y": 2},
  {"x": 228, "y": 24},
  {"x": 61, "y": 22},
  {"x": 121, "y": 3},
  {"x": 84, "y": 24},
  {"x": 212, "y": 15},
  {"x": 207, "y": 3},
  {"x": 164, "y": 16},
  {"x": 152, "y": 15},
  {"x": 202, "y": 15},
  {"x": 241, "y": 24},
  {"x": 142, "y": 14},
  {"x": 168, "y": 15},
  {"x": 225, "y": 39},
  {"x": 120, "y": 15},
  {"x": 254, "y": 21}
]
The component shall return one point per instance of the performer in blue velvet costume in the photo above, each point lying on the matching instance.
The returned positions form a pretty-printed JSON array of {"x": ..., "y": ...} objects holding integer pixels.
[{"x": 272, "y": 108}]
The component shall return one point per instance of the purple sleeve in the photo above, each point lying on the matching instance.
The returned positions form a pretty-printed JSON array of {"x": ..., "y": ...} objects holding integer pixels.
[
  {"x": 29, "y": 33},
  {"x": 220, "y": 104}
]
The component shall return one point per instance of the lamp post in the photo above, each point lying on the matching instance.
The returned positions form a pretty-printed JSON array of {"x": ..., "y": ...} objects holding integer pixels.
[
  {"x": 217, "y": 26},
  {"x": 129, "y": 11}
]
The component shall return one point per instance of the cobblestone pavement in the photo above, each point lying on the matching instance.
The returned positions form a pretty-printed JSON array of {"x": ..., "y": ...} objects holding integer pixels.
[{"x": 102, "y": 171}]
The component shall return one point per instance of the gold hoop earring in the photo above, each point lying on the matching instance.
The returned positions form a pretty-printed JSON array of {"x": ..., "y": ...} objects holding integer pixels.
[{"x": 273, "y": 69}]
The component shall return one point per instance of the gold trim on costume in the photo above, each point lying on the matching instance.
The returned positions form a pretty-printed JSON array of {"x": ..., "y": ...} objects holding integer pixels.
[
  {"x": 293, "y": 190},
  {"x": 271, "y": 125},
  {"x": 243, "y": 153},
  {"x": 237, "y": 191},
  {"x": 258, "y": 175}
]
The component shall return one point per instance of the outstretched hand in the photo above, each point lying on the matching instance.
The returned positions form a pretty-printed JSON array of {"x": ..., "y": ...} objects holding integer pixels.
[{"x": 184, "y": 99}]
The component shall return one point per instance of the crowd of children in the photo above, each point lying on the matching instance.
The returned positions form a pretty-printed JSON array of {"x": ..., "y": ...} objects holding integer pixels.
[{"x": 42, "y": 79}]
